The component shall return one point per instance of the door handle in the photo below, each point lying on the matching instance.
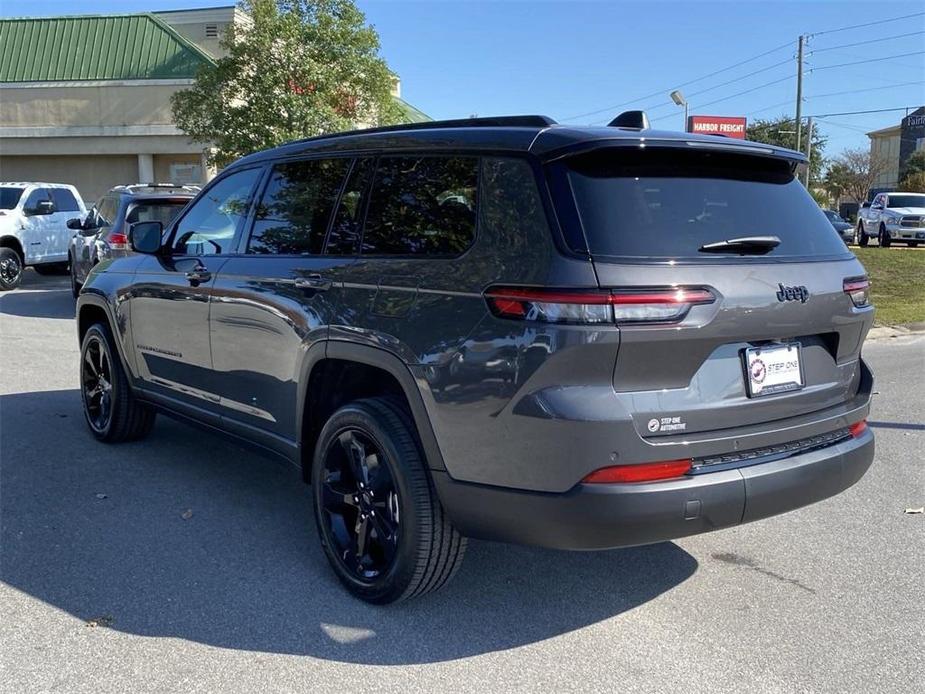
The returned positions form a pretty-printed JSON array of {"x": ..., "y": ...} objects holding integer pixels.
[
  {"x": 314, "y": 282},
  {"x": 198, "y": 275}
]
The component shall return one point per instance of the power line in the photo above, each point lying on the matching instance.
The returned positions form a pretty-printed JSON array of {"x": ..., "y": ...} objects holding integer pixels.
[
  {"x": 869, "y": 60},
  {"x": 868, "y": 24},
  {"x": 855, "y": 113},
  {"x": 866, "y": 89},
  {"x": 678, "y": 86},
  {"x": 732, "y": 96},
  {"x": 864, "y": 43}
]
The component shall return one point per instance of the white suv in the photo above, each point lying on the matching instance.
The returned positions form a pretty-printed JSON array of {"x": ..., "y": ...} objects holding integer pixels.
[{"x": 33, "y": 228}]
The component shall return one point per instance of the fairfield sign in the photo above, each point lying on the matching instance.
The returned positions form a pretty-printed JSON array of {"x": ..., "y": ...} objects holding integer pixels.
[{"x": 729, "y": 126}]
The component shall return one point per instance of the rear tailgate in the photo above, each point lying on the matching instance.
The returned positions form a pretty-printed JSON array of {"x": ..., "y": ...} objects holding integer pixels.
[{"x": 646, "y": 216}]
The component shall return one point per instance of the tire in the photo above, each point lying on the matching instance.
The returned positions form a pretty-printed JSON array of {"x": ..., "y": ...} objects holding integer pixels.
[
  {"x": 75, "y": 285},
  {"x": 10, "y": 269},
  {"x": 411, "y": 548},
  {"x": 913, "y": 244},
  {"x": 885, "y": 240},
  {"x": 110, "y": 408},
  {"x": 51, "y": 268},
  {"x": 862, "y": 237}
]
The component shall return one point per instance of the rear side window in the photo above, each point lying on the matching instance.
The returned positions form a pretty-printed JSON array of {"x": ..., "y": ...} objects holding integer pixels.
[
  {"x": 64, "y": 200},
  {"x": 292, "y": 217},
  {"x": 348, "y": 222},
  {"x": 666, "y": 204},
  {"x": 422, "y": 206}
]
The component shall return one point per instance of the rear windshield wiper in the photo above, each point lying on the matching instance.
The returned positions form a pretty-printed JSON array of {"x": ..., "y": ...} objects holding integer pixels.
[{"x": 747, "y": 245}]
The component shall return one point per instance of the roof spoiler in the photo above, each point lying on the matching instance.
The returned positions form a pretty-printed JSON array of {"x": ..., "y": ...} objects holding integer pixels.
[{"x": 637, "y": 120}]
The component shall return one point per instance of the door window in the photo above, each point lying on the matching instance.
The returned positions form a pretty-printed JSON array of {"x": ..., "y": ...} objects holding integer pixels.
[
  {"x": 422, "y": 206},
  {"x": 344, "y": 238},
  {"x": 293, "y": 214},
  {"x": 64, "y": 200},
  {"x": 210, "y": 224},
  {"x": 35, "y": 197},
  {"x": 106, "y": 212}
]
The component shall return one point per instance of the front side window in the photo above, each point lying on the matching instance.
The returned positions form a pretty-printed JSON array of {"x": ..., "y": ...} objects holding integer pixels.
[
  {"x": 64, "y": 200},
  {"x": 422, "y": 205},
  {"x": 210, "y": 224},
  {"x": 9, "y": 197},
  {"x": 35, "y": 197},
  {"x": 293, "y": 214},
  {"x": 106, "y": 211}
]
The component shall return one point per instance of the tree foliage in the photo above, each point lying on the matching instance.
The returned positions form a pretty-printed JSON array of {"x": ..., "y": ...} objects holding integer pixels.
[
  {"x": 913, "y": 183},
  {"x": 855, "y": 171},
  {"x": 297, "y": 68},
  {"x": 782, "y": 133},
  {"x": 915, "y": 164}
]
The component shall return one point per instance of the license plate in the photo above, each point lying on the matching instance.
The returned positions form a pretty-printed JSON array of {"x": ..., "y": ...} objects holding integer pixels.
[{"x": 773, "y": 369}]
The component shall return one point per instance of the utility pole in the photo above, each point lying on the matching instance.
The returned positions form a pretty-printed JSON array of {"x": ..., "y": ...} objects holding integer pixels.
[
  {"x": 809, "y": 149},
  {"x": 800, "y": 42}
]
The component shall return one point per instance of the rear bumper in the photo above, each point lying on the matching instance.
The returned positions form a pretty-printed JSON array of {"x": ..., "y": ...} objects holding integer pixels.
[{"x": 619, "y": 515}]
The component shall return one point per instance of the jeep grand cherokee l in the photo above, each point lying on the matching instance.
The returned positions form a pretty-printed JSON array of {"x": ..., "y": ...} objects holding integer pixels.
[{"x": 503, "y": 328}]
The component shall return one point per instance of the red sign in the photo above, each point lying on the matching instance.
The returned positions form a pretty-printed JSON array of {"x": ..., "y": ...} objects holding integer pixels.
[{"x": 729, "y": 126}]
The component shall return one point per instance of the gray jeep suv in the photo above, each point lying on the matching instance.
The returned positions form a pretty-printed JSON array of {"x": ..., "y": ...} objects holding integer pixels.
[{"x": 502, "y": 328}]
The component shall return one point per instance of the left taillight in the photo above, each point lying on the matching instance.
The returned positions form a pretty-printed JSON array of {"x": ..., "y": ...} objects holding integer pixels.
[
  {"x": 118, "y": 242},
  {"x": 590, "y": 306},
  {"x": 858, "y": 288}
]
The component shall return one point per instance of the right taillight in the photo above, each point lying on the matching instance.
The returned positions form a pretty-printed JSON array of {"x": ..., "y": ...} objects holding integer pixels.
[
  {"x": 590, "y": 306},
  {"x": 858, "y": 288}
]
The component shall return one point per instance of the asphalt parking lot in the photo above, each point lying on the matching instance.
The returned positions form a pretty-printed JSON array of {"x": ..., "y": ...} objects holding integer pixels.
[{"x": 186, "y": 563}]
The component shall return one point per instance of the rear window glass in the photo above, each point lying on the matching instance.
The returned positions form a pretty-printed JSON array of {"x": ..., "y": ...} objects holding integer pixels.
[
  {"x": 9, "y": 197},
  {"x": 64, "y": 200},
  {"x": 666, "y": 204},
  {"x": 422, "y": 206},
  {"x": 163, "y": 212}
]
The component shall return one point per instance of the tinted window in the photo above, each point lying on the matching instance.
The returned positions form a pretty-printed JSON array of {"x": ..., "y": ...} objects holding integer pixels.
[
  {"x": 345, "y": 232},
  {"x": 35, "y": 197},
  {"x": 905, "y": 201},
  {"x": 293, "y": 214},
  {"x": 422, "y": 206},
  {"x": 666, "y": 204},
  {"x": 9, "y": 197},
  {"x": 106, "y": 211},
  {"x": 64, "y": 200},
  {"x": 163, "y": 212},
  {"x": 210, "y": 224}
]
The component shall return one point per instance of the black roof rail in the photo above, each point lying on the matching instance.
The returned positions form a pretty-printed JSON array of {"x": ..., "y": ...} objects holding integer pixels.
[{"x": 486, "y": 122}]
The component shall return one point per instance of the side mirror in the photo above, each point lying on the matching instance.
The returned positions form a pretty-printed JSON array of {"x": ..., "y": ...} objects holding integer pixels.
[
  {"x": 75, "y": 224},
  {"x": 145, "y": 237},
  {"x": 42, "y": 208},
  {"x": 865, "y": 205}
]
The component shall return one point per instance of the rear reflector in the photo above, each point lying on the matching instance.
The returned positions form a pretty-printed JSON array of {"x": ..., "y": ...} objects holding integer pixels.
[
  {"x": 858, "y": 428},
  {"x": 662, "y": 304},
  {"x": 644, "y": 472},
  {"x": 858, "y": 288}
]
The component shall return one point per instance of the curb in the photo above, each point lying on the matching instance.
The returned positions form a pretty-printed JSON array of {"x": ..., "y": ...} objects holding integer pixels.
[{"x": 892, "y": 331}]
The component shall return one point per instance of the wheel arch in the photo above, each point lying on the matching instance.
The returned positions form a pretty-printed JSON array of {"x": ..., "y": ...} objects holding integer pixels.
[
  {"x": 93, "y": 308},
  {"x": 338, "y": 372},
  {"x": 10, "y": 241}
]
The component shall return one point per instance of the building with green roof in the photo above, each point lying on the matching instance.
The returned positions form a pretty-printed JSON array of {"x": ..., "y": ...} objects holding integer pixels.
[{"x": 86, "y": 99}]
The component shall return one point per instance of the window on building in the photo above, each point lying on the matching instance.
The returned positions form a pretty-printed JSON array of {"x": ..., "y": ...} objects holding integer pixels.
[
  {"x": 293, "y": 214},
  {"x": 210, "y": 224},
  {"x": 422, "y": 206},
  {"x": 345, "y": 232}
]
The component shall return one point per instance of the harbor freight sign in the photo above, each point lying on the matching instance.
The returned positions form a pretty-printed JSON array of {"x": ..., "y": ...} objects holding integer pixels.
[{"x": 729, "y": 126}]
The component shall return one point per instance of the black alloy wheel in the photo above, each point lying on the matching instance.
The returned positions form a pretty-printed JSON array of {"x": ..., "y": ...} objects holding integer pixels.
[
  {"x": 360, "y": 507},
  {"x": 96, "y": 384},
  {"x": 10, "y": 269}
]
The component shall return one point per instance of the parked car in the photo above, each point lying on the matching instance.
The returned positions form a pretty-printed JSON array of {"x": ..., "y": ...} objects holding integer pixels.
[
  {"x": 639, "y": 343},
  {"x": 33, "y": 228},
  {"x": 844, "y": 229},
  {"x": 893, "y": 217},
  {"x": 102, "y": 233}
]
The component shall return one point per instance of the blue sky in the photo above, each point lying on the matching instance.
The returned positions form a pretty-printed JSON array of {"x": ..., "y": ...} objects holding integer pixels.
[{"x": 566, "y": 59}]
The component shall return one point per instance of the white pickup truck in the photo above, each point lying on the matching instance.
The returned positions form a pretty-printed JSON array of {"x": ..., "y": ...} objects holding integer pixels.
[{"x": 893, "y": 217}]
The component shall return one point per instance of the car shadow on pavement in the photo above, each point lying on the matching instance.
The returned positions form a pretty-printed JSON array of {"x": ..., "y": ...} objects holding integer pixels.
[
  {"x": 188, "y": 535},
  {"x": 46, "y": 303}
]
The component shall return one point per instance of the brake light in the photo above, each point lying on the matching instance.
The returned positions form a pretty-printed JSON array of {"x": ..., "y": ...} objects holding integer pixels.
[
  {"x": 644, "y": 472},
  {"x": 858, "y": 428},
  {"x": 118, "y": 242},
  {"x": 858, "y": 288},
  {"x": 660, "y": 304}
]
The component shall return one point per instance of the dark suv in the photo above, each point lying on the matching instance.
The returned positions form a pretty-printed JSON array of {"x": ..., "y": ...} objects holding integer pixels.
[
  {"x": 502, "y": 328},
  {"x": 103, "y": 233}
]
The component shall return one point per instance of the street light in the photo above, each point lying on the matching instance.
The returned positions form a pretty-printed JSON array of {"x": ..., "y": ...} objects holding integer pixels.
[{"x": 678, "y": 98}]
